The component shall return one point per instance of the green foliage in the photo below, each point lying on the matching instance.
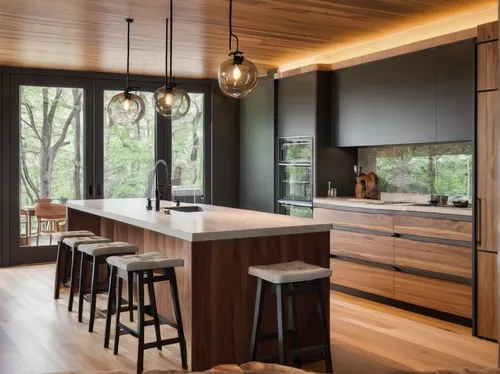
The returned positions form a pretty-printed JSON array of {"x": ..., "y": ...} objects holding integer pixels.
[{"x": 129, "y": 151}]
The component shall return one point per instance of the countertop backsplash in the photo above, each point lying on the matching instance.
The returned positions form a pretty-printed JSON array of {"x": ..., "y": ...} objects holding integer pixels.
[{"x": 413, "y": 172}]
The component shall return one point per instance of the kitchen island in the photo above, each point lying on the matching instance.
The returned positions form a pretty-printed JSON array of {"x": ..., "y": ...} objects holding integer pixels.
[{"x": 218, "y": 245}]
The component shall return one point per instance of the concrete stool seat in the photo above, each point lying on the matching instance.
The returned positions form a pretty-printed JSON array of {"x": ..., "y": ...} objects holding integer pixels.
[
  {"x": 63, "y": 271},
  {"x": 288, "y": 280},
  {"x": 141, "y": 267},
  {"x": 96, "y": 254},
  {"x": 60, "y": 236},
  {"x": 288, "y": 272},
  {"x": 110, "y": 248},
  {"x": 145, "y": 261}
]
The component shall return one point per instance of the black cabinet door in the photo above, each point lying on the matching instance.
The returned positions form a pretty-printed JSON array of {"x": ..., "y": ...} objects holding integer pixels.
[
  {"x": 456, "y": 92},
  {"x": 392, "y": 101},
  {"x": 297, "y": 105}
]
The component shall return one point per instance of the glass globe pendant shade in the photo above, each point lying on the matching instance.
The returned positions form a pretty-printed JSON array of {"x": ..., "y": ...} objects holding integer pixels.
[
  {"x": 173, "y": 102},
  {"x": 238, "y": 78},
  {"x": 125, "y": 108}
]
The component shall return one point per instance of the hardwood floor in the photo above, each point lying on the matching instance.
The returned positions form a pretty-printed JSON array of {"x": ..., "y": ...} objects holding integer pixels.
[{"x": 38, "y": 335}]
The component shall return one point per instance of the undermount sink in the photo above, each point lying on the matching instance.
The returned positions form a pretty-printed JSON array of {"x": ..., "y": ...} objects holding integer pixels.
[{"x": 183, "y": 209}]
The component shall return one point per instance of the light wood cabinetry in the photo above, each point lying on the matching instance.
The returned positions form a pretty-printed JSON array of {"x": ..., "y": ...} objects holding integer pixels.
[
  {"x": 418, "y": 260},
  {"x": 487, "y": 170},
  {"x": 364, "y": 278},
  {"x": 487, "y": 60},
  {"x": 445, "y": 296},
  {"x": 368, "y": 247},
  {"x": 487, "y": 32},
  {"x": 366, "y": 221},
  {"x": 439, "y": 258},
  {"x": 433, "y": 228},
  {"x": 487, "y": 135},
  {"x": 487, "y": 290}
]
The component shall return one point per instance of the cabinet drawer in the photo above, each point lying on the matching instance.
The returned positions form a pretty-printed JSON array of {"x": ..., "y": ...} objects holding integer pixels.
[
  {"x": 363, "y": 246},
  {"x": 487, "y": 66},
  {"x": 433, "y": 228},
  {"x": 366, "y": 221},
  {"x": 445, "y": 296},
  {"x": 441, "y": 258},
  {"x": 361, "y": 277},
  {"x": 487, "y": 303}
]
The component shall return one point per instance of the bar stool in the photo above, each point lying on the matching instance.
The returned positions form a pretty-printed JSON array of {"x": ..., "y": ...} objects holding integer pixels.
[
  {"x": 64, "y": 250},
  {"x": 142, "y": 267},
  {"x": 288, "y": 280},
  {"x": 96, "y": 254},
  {"x": 73, "y": 244}
]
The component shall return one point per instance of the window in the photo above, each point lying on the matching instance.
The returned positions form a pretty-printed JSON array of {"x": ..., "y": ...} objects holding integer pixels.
[{"x": 188, "y": 153}]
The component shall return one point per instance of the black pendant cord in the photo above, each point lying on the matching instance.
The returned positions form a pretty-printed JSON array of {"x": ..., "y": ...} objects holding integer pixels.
[
  {"x": 231, "y": 35},
  {"x": 129, "y": 21},
  {"x": 166, "y": 55},
  {"x": 171, "y": 36}
]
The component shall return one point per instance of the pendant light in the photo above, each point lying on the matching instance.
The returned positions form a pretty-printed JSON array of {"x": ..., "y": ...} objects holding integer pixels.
[
  {"x": 169, "y": 100},
  {"x": 126, "y": 107},
  {"x": 238, "y": 76}
]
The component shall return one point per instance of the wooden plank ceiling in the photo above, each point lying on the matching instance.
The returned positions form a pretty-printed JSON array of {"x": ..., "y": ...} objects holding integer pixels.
[{"x": 91, "y": 34}]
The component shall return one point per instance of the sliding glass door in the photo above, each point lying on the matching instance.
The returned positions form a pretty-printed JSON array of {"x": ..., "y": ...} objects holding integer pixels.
[
  {"x": 49, "y": 129},
  {"x": 60, "y": 145},
  {"x": 128, "y": 151}
]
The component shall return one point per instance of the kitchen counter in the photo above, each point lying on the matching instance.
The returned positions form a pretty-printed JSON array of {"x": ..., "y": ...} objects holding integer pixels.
[
  {"x": 212, "y": 223},
  {"x": 450, "y": 212},
  {"x": 217, "y": 245}
]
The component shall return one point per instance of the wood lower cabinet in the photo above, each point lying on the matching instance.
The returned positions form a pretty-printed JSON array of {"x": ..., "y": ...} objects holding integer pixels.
[
  {"x": 366, "y": 221},
  {"x": 487, "y": 296},
  {"x": 445, "y": 296},
  {"x": 439, "y": 258},
  {"x": 368, "y": 247},
  {"x": 361, "y": 277},
  {"x": 433, "y": 228}
]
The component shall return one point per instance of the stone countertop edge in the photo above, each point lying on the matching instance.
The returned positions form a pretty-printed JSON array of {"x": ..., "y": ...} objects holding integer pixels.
[
  {"x": 172, "y": 225},
  {"x": 459, "y": 214}
]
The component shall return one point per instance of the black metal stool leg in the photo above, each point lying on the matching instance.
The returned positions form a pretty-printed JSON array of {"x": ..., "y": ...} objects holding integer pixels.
[
  {"x": 324, "y": 328},
  {"x": 140, "y": 321},
  {"x": 111, "y": 301},
  {"x": 73, "y": 280},
  {"x": 293, "y": 325},
  {"x": 178, "y": 317},
  {"x": 59, "y": 269},
  {"x": 130, "y": 288},
  {"x": 93, "y": 292},
  {"x": 281, "y": 324},
  {"x": 259, "y": 302},
  {"x": 152, "y": 301},
  {"x": 82, "y": 286},
  {"x": 117, "y": 319}
]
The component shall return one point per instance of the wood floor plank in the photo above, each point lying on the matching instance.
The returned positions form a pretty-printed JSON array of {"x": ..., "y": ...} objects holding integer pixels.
[{"x": 38, "y": 335}]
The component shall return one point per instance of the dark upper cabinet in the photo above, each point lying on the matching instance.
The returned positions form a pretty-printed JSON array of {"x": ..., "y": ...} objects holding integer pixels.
[
  {"x": 456, "y": 91},
  {"x": 391, "y": 101},
  {"x": 421, "y": 97}
]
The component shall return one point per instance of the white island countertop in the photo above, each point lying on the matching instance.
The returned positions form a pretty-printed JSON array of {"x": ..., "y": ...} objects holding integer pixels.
[{"x": 212, "y": 223}]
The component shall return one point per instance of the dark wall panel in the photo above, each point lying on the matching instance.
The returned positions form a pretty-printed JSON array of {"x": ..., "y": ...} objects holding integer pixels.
[
  {"x": 225, "y": 149},
  {"x": 456, "y": 91},
  {"x": 257, "y": 141},
  {"x": 297, "y": 105}
]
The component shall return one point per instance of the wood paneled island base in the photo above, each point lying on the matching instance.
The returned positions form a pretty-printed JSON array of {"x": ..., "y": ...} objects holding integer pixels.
[{"x": 217, "y": 295}]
